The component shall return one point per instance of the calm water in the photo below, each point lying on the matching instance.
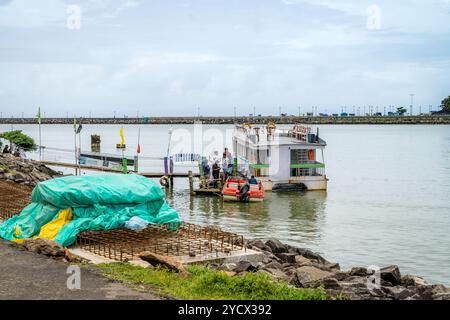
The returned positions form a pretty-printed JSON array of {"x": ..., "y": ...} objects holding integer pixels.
[{"x": 387, "y": 202}]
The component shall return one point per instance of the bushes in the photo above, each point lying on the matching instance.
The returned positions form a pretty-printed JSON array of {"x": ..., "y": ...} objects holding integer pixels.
[{"x": 19, "y": 139}]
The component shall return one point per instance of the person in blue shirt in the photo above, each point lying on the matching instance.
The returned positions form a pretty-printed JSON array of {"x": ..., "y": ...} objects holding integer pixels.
[{"x": 252, "y": 180}]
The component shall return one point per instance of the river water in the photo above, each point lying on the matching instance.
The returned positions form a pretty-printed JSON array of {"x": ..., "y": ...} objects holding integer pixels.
[{"x": 388, "y": 198}]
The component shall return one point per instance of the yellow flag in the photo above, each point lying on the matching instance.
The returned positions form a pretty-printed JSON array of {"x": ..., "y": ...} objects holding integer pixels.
[{"x": 122, "y": 139}]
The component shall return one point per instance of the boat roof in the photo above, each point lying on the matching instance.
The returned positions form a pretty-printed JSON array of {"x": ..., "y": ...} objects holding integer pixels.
[{"x": 260, "y": 137}]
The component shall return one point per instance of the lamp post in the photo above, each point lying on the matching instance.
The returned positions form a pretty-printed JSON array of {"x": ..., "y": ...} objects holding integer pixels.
[{"x": 412, "y": 103}]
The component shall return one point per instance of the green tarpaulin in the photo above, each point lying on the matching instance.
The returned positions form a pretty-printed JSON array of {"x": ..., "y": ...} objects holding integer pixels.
[{"x": 101, "y": 202}]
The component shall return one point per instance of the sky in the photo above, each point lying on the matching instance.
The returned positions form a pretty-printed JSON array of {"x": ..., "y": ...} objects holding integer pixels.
[{"x": 176, "y": 58}]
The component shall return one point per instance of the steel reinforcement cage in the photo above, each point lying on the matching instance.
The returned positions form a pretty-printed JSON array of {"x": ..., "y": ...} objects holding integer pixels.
[
  {"x": 125, "y": 244},
  {"x": 13, "y": 198},
  {"x": 188, "y": 240}
]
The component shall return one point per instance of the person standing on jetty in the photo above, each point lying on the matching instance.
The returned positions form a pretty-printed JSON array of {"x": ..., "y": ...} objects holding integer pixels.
[
  {"x": 216, "y": 171},
  {"x": 226, "y": 162},
  {"x": 226, "y": 155}
]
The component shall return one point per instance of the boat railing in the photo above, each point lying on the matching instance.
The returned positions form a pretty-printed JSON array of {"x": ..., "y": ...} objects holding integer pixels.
[
  {"x": 300, "y": 132},
  {"x": 308, "y": 168}
]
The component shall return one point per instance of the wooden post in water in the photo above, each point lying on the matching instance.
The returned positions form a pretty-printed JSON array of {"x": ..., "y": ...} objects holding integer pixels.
[
  {"x": 125, "y": 165},
  {"x": 221, "y": 180},
  {"x": 95, "y": 143},
  {"x": 171, "y": 172},
  {"x": 191, "y": 183}
]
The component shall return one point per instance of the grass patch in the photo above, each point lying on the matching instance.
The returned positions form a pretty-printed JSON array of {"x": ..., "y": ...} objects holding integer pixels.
[{"x": 205, "y": 284}]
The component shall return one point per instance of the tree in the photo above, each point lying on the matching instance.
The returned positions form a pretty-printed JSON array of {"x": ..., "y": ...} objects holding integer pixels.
[
  {"x": 401, "y": 110},
  {"x": 446, "y": 104},
  {"x": 19, "y": 139}
]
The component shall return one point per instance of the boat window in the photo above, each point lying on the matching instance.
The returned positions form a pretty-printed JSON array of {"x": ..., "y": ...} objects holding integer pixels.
[{"x": 304, "y": 163}]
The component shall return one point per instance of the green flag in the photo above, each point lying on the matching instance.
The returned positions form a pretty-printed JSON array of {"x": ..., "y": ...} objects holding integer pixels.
[{"x": 38, "y": 115}]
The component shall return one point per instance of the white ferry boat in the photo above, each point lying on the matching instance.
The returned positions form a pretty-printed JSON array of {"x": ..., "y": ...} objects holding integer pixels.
[{"x": 281, "y": 159}]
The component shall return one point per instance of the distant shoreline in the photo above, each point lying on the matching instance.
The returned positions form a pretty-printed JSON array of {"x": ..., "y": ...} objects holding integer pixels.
[{"x": 387, "y": 120}]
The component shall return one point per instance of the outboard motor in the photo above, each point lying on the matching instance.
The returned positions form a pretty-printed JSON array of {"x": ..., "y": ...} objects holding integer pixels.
[{"x": 243, "y": 196}]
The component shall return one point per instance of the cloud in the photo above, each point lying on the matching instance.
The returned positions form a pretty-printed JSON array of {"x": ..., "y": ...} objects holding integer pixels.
[
  {"x": 99, "y": 10},
  {"x": 53, "y": 13},
  {"x": 36, "y": 14},
  {"x": 169, "y": 57},
  {"x": 417, "y": 16},
  {"x": 5, "y": 2},
  {"x": 176, "y": 87},
  {"x": 145, "y": 64}
]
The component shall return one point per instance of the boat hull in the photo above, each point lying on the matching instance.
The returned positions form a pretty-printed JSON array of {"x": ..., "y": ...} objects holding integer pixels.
[
  {"x": 230, "y": 198},
  {"x": 319, "y": 183},
  {"x": 233, "y": 187}
]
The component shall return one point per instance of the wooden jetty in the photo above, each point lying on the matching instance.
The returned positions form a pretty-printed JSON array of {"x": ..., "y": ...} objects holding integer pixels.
[
  {"x": 162, "y": 174},
  {"x": 153, "y": 175},
  {"x": 208, "y": 192},
  {"x": 76, "y": 166}
]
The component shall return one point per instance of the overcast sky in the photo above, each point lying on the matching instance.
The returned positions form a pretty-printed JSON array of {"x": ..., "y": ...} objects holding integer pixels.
[{"x": 170, "y": 57}]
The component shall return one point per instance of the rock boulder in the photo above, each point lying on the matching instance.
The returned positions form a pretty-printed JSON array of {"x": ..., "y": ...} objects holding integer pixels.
[
  {"x": 309, "y": 276},
  {"x": 45, "y": 247},
  {"x": 276, "y": 246},
  {"x": 244, "y": 266},
  {"x": 391, "y": 274}
]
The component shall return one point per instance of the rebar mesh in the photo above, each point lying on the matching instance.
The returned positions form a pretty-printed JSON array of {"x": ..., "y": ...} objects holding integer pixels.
[
  {"x": 189, "y": 240},
  {"x": 124, "y": 244},
  {"x": 13, "y": 198}
]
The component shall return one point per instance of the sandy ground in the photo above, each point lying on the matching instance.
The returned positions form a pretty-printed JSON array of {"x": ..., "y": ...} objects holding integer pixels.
[{"x": 25, "y": 275}]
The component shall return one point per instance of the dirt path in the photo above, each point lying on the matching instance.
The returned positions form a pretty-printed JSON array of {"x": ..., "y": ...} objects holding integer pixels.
[{"x": 25, "y": 275}]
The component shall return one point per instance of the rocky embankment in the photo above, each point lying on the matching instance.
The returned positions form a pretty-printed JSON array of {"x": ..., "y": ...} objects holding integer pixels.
[
  {"x": 23, "y": 171},
  {"x": 306, "y": 269}
]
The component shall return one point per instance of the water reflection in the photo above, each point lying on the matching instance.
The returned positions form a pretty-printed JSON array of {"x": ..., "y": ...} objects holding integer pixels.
[{"x": 291, "y": 217}]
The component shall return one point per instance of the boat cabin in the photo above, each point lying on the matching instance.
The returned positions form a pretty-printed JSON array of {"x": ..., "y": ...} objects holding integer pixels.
[{"x": 281, "y": 157}]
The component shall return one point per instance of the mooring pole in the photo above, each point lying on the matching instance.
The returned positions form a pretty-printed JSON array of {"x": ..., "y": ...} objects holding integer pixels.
[
  {"x": 79, "y": 151},
  {"x": 171, "y": 171},
  {"x": 138, "y": 151},
  {"x": 75, "y": 140},
  {"x": 221, "y": 180},
  {"x": 191, "y": 183},
  {"x": 40, "y": 140}
]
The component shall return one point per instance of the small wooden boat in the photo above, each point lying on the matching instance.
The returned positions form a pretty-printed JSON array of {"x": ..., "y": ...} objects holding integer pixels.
[{"x": 238, "y": 189}]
